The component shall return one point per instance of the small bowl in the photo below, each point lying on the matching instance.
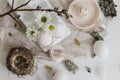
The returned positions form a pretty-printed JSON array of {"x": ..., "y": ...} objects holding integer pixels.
[{"x": 85, "y": 13}]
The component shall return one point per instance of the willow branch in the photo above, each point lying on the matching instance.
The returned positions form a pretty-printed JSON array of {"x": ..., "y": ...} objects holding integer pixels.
[
  {"x": 22, "y": 5},
  {"x": 47, "y": 10},
  {"x": 13, "y": 10},
  {"x": 58, "y": 12}
]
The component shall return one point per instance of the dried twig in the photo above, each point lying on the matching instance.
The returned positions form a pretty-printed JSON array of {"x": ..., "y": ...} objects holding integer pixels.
[
  {"x": 58, "y": 12},
  {"x": 22, "y": 5},
  {"x": 15, "y": 20},
  {"x": 13, "y": 10}
]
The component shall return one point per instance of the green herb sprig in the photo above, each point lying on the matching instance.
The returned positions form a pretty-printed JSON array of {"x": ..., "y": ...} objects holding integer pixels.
[{"x": 71, "y": 66}]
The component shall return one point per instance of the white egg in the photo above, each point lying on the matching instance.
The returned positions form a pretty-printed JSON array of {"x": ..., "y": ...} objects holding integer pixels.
[
  {"x": 101, "y": 49},
  {"x": 60, "y": 75},
  {"x": 44, "y": 39}
]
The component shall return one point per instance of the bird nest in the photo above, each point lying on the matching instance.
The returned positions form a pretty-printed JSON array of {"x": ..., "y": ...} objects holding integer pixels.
[{"x": 20, "y": 61}]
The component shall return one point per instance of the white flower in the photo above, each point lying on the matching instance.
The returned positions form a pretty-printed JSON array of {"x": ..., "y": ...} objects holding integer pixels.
[
  {"x": 43, "y": 17},
  {"x": 49, "y": 28},
  {"x": 55, "y": 29},
  {"x": 32, "y": 33}
]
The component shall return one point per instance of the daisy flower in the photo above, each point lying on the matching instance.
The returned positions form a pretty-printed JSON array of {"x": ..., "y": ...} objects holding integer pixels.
[
  {"x": 32, "y": 33},
  {"x": 50, "y": 28},
  {"x": 42, "y": 18},
  {"x": 55, "y": 29}
]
